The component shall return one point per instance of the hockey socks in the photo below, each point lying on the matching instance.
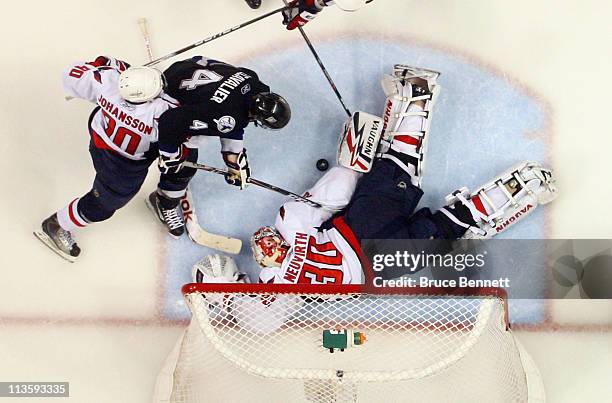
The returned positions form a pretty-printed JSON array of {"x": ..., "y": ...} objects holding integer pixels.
[{"x": 70, "y": 218}]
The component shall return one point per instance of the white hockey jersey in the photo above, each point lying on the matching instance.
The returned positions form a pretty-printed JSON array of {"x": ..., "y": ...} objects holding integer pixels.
[
  {"x": 318, "y": 255},
  {"x": 125, "y": 128}
]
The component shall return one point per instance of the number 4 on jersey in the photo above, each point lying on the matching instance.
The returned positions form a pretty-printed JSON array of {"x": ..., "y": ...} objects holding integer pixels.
[{"x": 200, "y": 77}]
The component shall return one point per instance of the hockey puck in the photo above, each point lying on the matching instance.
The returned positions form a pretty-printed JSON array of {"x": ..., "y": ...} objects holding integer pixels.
[{"x": 322, "y": 164}]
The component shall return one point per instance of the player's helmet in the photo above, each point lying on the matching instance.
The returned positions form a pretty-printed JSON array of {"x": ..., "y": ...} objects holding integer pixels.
[
  {"x": 270, "y": 110},
  {"x": 140, "y": 84},
  {"x": 268, "y": 247}
]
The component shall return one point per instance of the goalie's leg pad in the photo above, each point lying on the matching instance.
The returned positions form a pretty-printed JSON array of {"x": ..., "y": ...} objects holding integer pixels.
[
  {"x": 406, "y": 125},
  {"x": 503, "y": 202}
]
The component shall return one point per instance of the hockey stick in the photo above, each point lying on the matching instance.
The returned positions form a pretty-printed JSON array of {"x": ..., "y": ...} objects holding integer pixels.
[
  {"x": 322, "y": 66},
  {"x": 212, "y": 38},
  {"x": 144, "y": 30},
  {"x": 265, "y": 185},
  {"x": 198, "y": 235}
]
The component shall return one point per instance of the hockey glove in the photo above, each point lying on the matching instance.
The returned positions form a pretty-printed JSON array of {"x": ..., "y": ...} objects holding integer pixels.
[
  {"x": 104, "y": 62},
  {"x": 171, "y": 163},
  {"x": 217, "y": 268},
  {"x": 238, "y": 171},
  {"x": 302, "y": 11}
]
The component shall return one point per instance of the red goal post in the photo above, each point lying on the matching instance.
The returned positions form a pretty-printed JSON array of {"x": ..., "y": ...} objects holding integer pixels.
[
  {"x": 351, "y": 289},
  {"x": 258, "y": 342}
]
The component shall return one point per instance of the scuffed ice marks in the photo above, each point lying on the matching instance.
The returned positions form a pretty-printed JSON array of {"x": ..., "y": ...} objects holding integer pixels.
[{"x": 480, "y": 127}]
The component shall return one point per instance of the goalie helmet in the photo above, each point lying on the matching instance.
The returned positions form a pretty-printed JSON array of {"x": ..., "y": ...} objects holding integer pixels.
[
  {"x": 140, "y": 84},
  {"x": 270, "y": 111},
  {"x": 268, "y": 247}
]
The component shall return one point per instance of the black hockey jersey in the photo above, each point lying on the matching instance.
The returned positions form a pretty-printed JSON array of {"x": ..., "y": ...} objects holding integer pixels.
[{"x": 214, "y": 100}]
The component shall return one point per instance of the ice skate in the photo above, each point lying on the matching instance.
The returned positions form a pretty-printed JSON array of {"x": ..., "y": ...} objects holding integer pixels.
[
  {"x": 58, "y": 239},
  {"x": 171, "y": 218},
  {"x": 411, "y": 94},
  {"x": 503, "y": 202}
]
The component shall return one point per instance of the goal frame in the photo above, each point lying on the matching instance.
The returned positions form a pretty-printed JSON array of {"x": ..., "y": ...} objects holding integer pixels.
[
  {"x": 535, "y": 387},
  {"x": 351, "y": 289}
]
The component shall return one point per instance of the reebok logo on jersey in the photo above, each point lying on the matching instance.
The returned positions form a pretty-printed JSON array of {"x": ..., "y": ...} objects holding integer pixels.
[
  {"x": 225, "y": 124},
  {"x": 228, "y": 86},
  {"x": 128, "y": 106}
]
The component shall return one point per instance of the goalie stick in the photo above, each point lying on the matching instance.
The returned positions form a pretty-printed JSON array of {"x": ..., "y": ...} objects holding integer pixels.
[
  {"x": 198, "y": 235},
  {"x": 265, "y": 185}
]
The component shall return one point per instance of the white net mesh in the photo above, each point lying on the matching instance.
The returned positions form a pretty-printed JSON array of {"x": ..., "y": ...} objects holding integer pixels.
[{"x": 263, "y": 344}]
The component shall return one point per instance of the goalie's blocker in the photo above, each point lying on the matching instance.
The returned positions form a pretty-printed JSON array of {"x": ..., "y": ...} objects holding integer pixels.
[{"x": 359, "y": 141}]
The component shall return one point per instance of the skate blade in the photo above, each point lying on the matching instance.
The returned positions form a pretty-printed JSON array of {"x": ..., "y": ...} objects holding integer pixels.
[
  {"x": 44, "y": 238},
  {"x": 154, "y": 211}
]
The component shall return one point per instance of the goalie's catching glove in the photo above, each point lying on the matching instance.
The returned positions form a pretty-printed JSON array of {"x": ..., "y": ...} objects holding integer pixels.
[
  {"x": 217, "y": 269},
  {"x": 302, "y": 11},
  {"x": 238, "y": 171},
  {"x": 171, "y": 163}
]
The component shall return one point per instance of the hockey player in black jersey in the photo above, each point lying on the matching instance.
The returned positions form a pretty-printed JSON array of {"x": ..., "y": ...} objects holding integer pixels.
[{"x": 216, "y": 99}]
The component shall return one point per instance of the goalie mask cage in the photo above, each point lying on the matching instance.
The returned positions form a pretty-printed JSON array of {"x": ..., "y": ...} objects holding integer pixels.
[{"x": 264, "y": 343}]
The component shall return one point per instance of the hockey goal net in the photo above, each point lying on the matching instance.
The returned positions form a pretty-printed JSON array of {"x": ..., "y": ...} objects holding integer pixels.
[{"x": 273, "y": 343}]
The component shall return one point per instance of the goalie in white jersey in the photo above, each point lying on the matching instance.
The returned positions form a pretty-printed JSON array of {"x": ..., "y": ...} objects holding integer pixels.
[
  {"x": 124, "y": 136},
  {"x": 377, "y": 191}
]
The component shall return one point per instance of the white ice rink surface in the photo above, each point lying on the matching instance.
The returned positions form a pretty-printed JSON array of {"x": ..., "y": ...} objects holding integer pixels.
[{"x": 538, "y": 71}]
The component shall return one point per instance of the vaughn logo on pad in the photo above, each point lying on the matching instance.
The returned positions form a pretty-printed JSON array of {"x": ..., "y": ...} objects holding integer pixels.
[{"x": 359, "y": 141}]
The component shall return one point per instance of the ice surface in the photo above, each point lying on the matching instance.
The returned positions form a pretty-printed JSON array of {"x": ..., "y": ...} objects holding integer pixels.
[{"x": 483, "y": 123}]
